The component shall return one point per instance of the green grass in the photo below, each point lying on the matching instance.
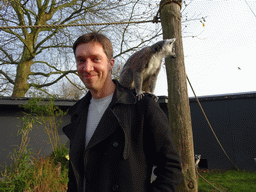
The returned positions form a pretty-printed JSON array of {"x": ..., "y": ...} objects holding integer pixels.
[{"x": 227, "y": 180}]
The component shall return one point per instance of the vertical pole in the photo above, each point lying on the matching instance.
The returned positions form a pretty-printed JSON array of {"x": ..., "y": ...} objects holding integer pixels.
[{"x": 178, "y": 101}]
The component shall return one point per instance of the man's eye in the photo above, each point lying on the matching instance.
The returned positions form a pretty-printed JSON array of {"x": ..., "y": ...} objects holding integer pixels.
[
  {"x": 80, "y": 61},
  {"x": 96, "y": 59}
]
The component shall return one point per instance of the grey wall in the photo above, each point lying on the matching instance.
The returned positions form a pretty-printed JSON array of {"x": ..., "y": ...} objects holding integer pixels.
[
  {"x": 233, "y": 119},
  {"x": 11, "y": 121}
]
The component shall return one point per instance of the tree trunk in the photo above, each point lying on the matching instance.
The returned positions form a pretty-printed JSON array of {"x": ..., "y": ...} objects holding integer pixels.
[
  {"x": 178, "y": 101},
  {"x": 21, "y": 85}
]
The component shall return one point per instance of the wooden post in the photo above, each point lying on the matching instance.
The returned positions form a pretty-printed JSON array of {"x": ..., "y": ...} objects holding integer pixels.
[{"x": 178, "y": 101}]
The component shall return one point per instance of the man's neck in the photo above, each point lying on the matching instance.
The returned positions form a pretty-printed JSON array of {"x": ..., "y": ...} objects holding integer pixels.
[{"x": 105, "y": 91}]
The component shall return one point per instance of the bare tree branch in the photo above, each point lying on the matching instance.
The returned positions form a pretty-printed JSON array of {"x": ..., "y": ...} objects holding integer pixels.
[
  {"x": 53, "y": 82},
  {"x": 53, "y": 73},
  {"x": 7, "y": 77}
]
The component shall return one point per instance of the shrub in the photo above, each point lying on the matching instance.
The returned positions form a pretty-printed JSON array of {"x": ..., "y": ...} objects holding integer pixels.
[
  {"x": 30, "y": 173},
  {"x": 59, "y": 156},
  {"x": 41, "y": 174}
]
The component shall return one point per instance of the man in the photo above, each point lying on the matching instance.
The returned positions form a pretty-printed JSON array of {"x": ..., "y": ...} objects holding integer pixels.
[{"x": 116, "y": 140}]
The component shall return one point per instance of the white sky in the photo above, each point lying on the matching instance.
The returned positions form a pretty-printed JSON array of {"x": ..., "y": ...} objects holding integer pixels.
[{"x": 227, "y": 41}]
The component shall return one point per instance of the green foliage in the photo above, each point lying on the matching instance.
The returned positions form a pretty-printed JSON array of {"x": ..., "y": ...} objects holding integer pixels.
[
  {"x": 231, "y": 180},
  {"x": 49, "y": 115},
  {"x": 46, "y": 176},
  {"x": 35, "y": 174},
  {"x": 30, "y": 173},
  {"x": 14, "y": 177},
  {"x": 59, "y": 156},
  {"x": 38, "y": 106}
]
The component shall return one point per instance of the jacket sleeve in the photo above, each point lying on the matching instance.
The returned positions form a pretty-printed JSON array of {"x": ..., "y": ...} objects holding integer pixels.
[
  {"x": 164, "y": 155},
  {"x": 72, "y": 186}
]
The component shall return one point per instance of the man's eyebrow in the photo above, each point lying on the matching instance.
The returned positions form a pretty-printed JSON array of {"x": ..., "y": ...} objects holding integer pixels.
[
  {"x": 79, "y": 56},
  {"x": 96, "y": 55},
  {"x": 91, "y": 55}
]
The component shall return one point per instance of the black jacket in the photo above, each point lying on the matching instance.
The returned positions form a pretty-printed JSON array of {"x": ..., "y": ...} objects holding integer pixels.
[{"x": 130, "y": 138}]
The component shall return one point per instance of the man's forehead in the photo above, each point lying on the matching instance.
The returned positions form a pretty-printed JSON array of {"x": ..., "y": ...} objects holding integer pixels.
[
  {"x": 89, "y": 49},
  {"x": 90, "y": 44}
]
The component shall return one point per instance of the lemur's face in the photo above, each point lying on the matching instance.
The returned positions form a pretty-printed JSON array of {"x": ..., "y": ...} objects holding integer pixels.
[
  {"x": 168, "y": 46},
  {"x": 93, "y": 66}
]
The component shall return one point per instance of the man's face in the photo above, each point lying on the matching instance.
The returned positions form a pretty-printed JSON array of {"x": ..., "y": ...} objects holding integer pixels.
[{"x": 93, "y": 66}]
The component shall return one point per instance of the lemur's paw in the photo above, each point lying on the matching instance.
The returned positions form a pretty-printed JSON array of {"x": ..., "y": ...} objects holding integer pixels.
[
  {"x": 153, "y": 96},
  {"x": 140, "y": 96},
  {"x": 145, "y": 94}
]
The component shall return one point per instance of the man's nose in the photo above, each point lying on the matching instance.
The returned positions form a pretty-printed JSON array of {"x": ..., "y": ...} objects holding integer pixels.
[{"x": 87, "y": 66}]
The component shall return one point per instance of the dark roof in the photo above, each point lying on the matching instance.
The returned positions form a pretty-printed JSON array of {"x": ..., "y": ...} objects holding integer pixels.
[
  {"x": 58, "y": 102},
  {"x": 15, "y": 101},
  {"x": 229, "y": 96},
  {"x": 12, "y": 101}
]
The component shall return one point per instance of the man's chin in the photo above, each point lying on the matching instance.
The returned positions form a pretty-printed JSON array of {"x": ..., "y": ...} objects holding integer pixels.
[{"x": 89, "y": 85}]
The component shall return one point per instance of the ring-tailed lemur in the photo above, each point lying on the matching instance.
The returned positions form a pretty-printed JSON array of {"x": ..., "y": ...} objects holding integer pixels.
[{"x": 142, "y": 68}]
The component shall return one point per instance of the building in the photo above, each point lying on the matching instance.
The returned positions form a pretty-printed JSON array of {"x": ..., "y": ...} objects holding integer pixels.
[
  {"x": 11, "y": 121},
  {"x": 233, "y": 118}
]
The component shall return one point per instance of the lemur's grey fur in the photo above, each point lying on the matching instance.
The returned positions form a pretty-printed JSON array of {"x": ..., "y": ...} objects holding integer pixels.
[{"x": 141, "y": 69}]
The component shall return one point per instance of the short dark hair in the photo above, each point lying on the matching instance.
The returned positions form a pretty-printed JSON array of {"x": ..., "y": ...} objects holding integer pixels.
[{"x": 95, "y": 37}]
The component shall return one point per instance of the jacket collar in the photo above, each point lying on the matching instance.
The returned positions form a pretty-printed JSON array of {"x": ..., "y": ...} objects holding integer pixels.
[
  {"x": 112, "y": 119},
  {"x": 121, "y": 95}
]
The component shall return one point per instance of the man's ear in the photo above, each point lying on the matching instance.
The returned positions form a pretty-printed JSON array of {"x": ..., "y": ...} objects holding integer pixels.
[{"x": 111, "y": 64}]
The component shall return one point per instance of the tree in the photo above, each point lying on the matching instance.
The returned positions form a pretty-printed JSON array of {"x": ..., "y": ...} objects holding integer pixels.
[
  {"x": 35, "y": 58},
  {"x": 178, "y": 101}
]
